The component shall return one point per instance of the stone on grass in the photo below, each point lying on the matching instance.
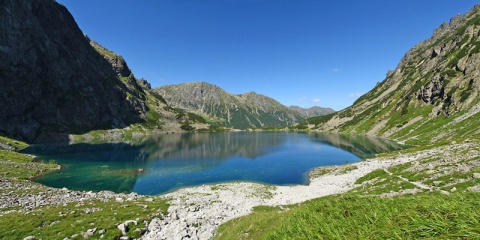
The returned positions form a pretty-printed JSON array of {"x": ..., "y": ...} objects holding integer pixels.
[
  {"x": 89, "y": 232},
  {"x": 123, "y": 228}
]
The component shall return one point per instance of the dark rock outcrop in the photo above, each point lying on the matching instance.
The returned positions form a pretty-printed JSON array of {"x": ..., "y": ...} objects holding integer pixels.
[{"x": 53, "y": 82}]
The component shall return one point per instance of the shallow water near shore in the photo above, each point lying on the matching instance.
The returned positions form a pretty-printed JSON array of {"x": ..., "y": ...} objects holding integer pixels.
[{"x": 161, "y": 163}]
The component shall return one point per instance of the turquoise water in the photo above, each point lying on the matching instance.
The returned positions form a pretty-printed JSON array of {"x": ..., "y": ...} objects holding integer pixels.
[{"x": 162, "y": 163}]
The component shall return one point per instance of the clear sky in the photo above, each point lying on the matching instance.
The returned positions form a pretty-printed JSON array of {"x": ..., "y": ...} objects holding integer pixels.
[{"x": 300, "y": 52}]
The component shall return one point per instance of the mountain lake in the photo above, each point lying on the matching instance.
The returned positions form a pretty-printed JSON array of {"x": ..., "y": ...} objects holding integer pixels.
[{"x": 162, "y": 163}]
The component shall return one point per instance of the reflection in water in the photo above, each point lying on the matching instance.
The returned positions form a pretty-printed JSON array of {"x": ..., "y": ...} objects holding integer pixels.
[
  {"x": 362, "y": 146},
  {"x": 213, "y": 146},
  {"x": 162, "y": 163}
]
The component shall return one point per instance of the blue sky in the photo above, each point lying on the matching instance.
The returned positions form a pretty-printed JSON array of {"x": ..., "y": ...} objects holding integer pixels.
[{"x": 300, "y": 52}]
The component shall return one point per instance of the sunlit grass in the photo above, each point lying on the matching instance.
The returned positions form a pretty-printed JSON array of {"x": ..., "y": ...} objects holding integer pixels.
[
  {"x": 351, "y": 216},
  {"x": 59, "y": 222},
  {"x": 20, "y": 166}
]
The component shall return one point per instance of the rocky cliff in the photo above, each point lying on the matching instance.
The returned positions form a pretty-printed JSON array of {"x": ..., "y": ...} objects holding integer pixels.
[
  {"x": 53, "y": 81},
  {"x": 313, "y": 111},
  {"x": 249, "y": 110},
  {"x": 431, "y": 96}
]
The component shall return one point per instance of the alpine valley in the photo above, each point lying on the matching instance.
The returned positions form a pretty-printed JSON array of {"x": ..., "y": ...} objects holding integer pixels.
[
  {"x": 248, "y": 110},
  {"x": 56, "y": 81},
  {"x": 58, "y": 85}
]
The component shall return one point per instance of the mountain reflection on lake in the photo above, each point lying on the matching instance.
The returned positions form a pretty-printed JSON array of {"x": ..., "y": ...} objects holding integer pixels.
[{"x": 160, "y": 163}]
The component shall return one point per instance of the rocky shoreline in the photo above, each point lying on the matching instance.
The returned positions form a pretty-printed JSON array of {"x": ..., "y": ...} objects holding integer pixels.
[
  {"x": 197, "y": 212},
  {"x": 27, "y": 196}
]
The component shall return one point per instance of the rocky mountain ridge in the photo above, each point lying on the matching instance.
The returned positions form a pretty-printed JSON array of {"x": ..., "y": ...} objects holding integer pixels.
[
  {"x": 314, "y": 111},
  {"x": 431, "y": 96},
  {"x": 242, "y": 111},
  {"x": 53, "y": 81}
]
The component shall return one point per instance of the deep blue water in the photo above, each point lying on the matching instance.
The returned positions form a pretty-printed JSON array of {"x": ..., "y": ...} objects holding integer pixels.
[{"x": 162, "y": 163}]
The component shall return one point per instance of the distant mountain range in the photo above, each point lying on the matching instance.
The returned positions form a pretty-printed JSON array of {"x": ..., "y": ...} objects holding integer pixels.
[
  {"x": 242, "y": 111},
  {"x": 432, "y": 95},
  {"x": 56, "y": 81},
  {"x": 313, "y": 111}
]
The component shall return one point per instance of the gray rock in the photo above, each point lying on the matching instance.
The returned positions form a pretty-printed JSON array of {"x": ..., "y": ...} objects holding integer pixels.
[
  {"x": 474, "y": 189},
  {"x": 29, "y": 238},
  {"x": 436, "y": 183},
  {"x": 476, "y": 175},
  {"x": 128, "y": 222},
  {"x": 89, "y": 232},
  {"x": 123, "y": 228}
]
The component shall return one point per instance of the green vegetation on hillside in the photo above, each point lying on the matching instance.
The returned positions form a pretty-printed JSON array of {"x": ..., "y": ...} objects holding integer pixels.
[
  {"x": 432, "y": 95},
  {"x": 350, "y": 216},
  {"x": 8, "y": 143},
  {"x": 15, "y": 165}
]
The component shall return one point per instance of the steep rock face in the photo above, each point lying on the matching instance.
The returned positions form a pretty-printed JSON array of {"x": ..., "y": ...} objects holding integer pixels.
[
  {"x": 249, "y": 110},
  {"x": 53, "y": 82},
  {"x": 432, "y": 95},
  {"x": 120, "y": 66},
  {"x": 313, "y": 111}
]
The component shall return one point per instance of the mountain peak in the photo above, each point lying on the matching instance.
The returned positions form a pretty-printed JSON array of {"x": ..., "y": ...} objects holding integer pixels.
[{"x": 242, "y": 111}]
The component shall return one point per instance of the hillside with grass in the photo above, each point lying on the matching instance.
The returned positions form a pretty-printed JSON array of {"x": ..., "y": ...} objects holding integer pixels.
[{"x": 431, "y": 96}]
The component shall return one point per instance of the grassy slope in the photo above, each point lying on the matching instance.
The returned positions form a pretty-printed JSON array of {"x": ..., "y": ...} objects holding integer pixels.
[
  {"x": 395, "y": 108},
  {"x": 352, "y": 216}
]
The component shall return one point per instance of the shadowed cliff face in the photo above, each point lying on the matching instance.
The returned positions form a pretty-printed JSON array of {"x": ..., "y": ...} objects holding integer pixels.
[{"x": 52, "y": 81}]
